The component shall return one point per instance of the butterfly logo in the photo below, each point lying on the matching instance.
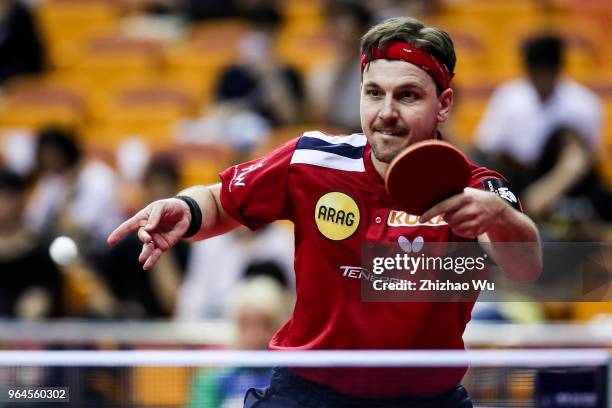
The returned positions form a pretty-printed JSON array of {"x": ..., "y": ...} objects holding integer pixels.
[{"x": 415, "y": 246}]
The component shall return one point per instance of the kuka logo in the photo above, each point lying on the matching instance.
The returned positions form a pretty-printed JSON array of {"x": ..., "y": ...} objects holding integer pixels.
[{"x": 402, "y": 219}]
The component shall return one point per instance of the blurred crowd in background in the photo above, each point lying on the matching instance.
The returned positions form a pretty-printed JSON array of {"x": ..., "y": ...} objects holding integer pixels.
[{"x": 106, "y": 105}]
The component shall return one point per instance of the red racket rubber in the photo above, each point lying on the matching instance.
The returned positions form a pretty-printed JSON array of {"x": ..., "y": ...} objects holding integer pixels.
[{"x": 425, "y": 174}]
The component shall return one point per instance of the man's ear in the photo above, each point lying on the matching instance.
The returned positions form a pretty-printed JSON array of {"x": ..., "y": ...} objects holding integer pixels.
[{"x": 445, "y": 103}]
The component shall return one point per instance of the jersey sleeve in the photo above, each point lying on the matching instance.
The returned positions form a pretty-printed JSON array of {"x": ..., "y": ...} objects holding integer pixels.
[
  {"x": 255, "y": 193},
  {"x": 489, "y": 180}
]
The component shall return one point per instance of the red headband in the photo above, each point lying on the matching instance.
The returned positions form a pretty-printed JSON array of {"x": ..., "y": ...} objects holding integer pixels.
[{"x": 409, "y": 53}]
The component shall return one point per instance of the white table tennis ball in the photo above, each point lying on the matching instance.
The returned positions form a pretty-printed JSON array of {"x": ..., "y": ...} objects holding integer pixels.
[{"x": 63, "y": 251}]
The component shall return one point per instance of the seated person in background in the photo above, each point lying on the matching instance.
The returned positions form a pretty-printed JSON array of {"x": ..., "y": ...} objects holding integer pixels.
[
  {"x": 384, "y": 9},
  {"x": 212, "y": 272},
  {"x": 72, "y": 195},
  {"x": 262, "y": 83},
  {"x": 198, "y": 10},
  {"x": 30, "y": 283},
  {"x": 270, "y": 269},
  {"x": 261, "y": 304},
  {"x": 334, "y": 86},
  {"x": 543, "y": 130},
  {"x": 139, "y": 293},
  {"x": 21, "y": 48}
]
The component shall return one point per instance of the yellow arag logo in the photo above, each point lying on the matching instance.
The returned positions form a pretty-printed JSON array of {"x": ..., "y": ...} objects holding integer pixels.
[
  {"x": 401, "y": 219},
  {"x": 337, "y": 215}
]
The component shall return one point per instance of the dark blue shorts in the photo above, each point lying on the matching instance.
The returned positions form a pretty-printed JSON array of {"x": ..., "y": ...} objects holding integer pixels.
[{"x": 287, "y": 390}]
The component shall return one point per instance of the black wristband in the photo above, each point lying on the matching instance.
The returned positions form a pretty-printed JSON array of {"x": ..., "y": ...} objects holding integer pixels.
[{"x": 196, "y": 216}]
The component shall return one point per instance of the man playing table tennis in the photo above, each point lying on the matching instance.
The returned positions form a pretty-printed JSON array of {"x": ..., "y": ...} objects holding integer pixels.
[{"x": 332, "y": 188}]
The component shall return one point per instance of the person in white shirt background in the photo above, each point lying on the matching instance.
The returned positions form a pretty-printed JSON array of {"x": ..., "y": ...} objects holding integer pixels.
[
  {"x": 543, "y": 130},
  {"x": 71, "y": 194},
  {"x": 210, "y": 271}
]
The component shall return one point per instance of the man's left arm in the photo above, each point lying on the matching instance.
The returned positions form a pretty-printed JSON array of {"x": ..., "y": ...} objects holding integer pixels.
[{"x": 508, "y": 236}]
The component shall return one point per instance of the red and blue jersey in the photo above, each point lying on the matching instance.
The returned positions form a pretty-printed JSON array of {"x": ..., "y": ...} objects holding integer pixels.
[{"x": 327, "y": 186}]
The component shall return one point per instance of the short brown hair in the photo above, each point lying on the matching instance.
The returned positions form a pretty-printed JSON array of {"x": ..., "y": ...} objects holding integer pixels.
[{"x": 432, "y": 40}]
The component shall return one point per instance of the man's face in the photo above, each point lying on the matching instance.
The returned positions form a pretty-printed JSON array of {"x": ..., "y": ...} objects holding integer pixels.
[
  {"x": 159, "y": 186},
  {"x": 399, "y": 106},
  {"x": 255, "y": 329},
  {"x": 11, "y": 208},
  {"x": 53, "y": 159},
  {"x": 544, "y": 80}
]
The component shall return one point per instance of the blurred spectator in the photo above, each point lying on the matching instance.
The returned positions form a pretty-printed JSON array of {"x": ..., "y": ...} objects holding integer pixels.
[
  {"x": 153, "y": 7},
  {"x": 241, "y": 130},
  {"x": 30, "y": 283},
  {"x": 21, "y": 49},
  {"x": 384, "y": 9},
  {"x": 140, "y": 293},
  {"x": 17, "y": 150},
  {"x": 197, "y": 10},
  {"x": 258, "y": 306},
  {"x": 269, "y": 269},
  {"x": 261, "y": 305},
  {"x": 334, "y": 87},
  {"x": 543, "y": 130},
  {"x": 253, "y": 95},
  {"x": 211, "y": 271},
  {"x": 262, "y": 83},
  {"x": 72, "y": 195},
  {"x": 157, "y": 20}
]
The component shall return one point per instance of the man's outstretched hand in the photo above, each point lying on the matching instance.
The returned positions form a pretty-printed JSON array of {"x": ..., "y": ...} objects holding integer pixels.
[{"x": 160, "y": 226}]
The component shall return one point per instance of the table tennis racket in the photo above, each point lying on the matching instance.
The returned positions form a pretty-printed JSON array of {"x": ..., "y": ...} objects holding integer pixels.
[{"x": 425, "y": 174}]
